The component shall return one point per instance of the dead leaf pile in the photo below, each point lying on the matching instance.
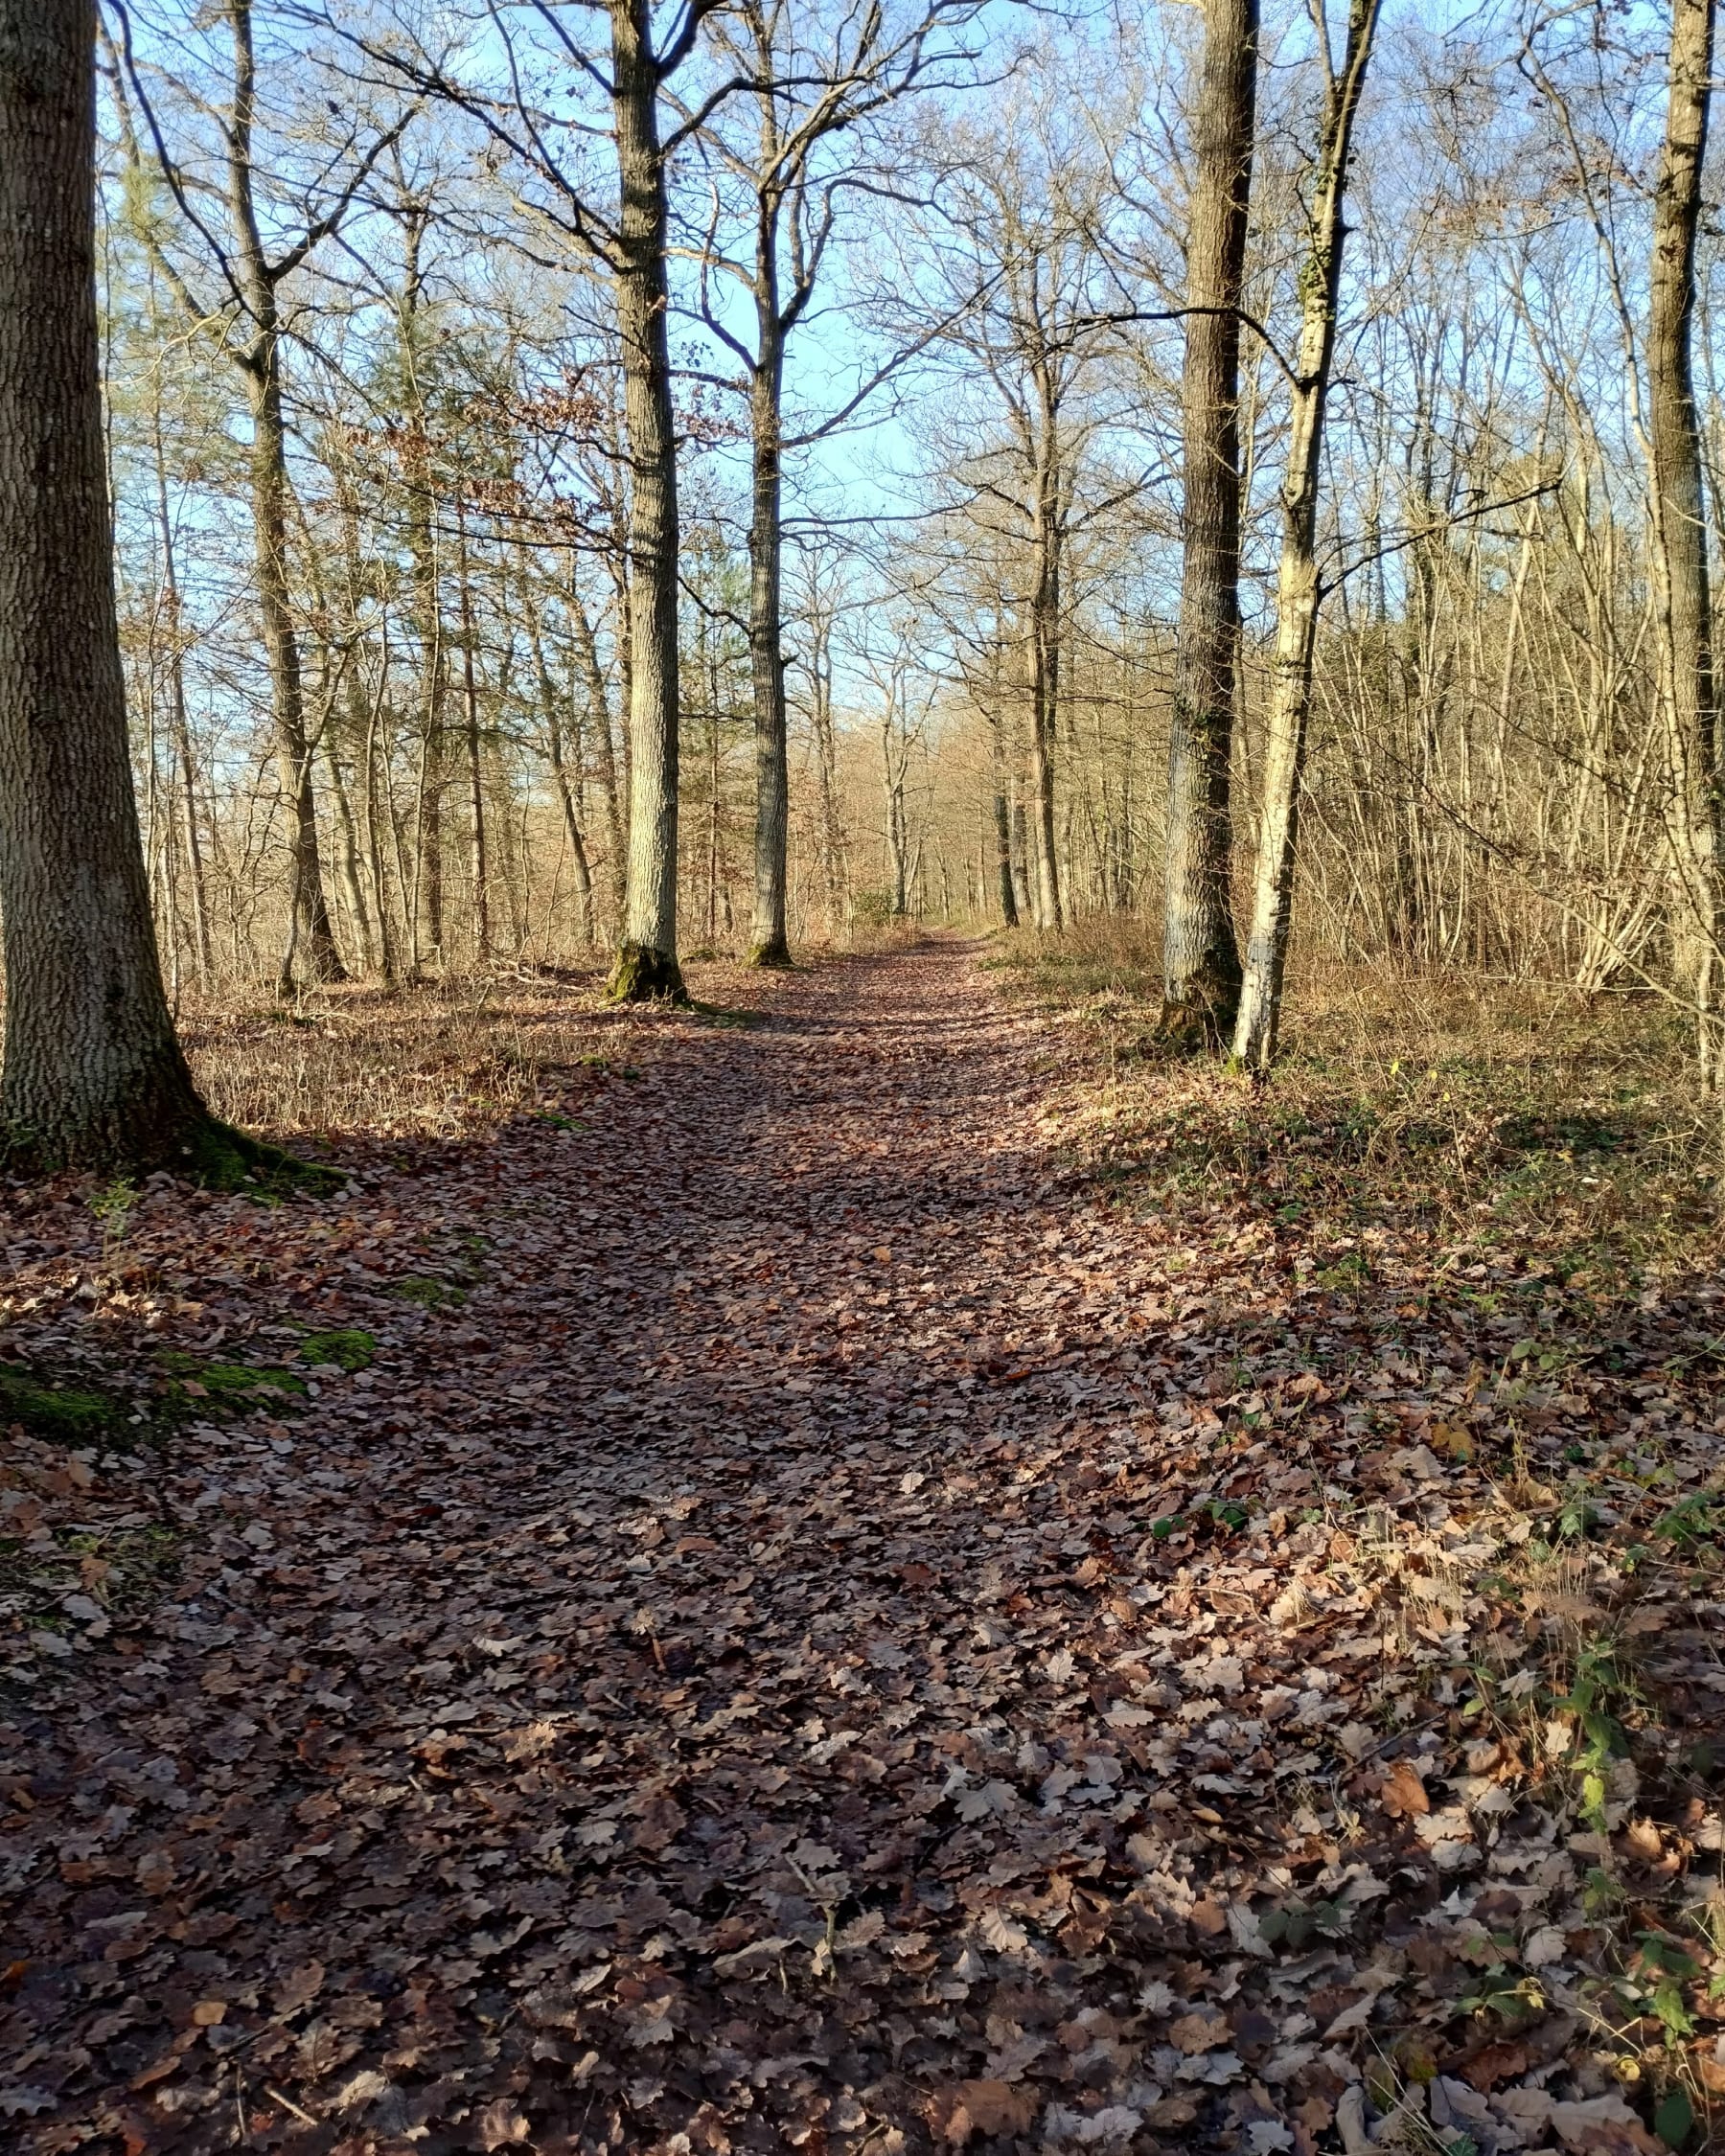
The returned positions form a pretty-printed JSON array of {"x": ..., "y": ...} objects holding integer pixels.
[{"x": 809, "y": 1631}]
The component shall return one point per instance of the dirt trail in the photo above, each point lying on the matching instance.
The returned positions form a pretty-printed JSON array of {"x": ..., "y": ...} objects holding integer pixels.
[
  {"x": 552, "y": 1735},
  {"x": 812, "y": 1632}
]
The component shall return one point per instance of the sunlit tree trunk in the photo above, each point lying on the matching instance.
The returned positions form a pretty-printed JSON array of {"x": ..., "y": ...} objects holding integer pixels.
[
  {"x": 765, "y": 647},
  {"x": 470, "y": 689},
  {"x": 1680, "y": 529},
  {"x": 180, "y": 720},
  {"x": 1297, "y": 589},
  {"x": 1201, "y": 958},
  {"x": 646, "y": 967},
  {"x": 310, "y": 948},
  {"x": 1043, "y": 657},
  {"x": 599, "y": 722}
]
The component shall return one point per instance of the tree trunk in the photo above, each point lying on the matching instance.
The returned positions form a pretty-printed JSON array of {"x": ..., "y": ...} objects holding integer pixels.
[
  {"x": 826, "y": 765},
  {"x": 181, "y": 721},
  {"x": 1021, "y": 852},
  {"x": 1002, "y": 823},
  {"x": 311, "y": 943},
  {"x": 423, "y": 900},
  {"x": 766, "y": 648},
  {"x": 93, "y": 1072},
  {"x": 1201, "y": 957},
  {"x": 599, "y": 719},
  {"x": 481, "y": 867},
  {"x": 1045, "y": 682},
  {"x": 646, "y": 967},
  {"x": 1680, "y": 531},
  {"x": 346, "y": 851},
  {"x": 565, "y": 792},
  {"x": 1298, "y": 593}
]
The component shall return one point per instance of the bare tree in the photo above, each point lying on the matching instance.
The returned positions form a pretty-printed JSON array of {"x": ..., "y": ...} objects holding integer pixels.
[
  {"x": 812, "y": 75},
  {"x": 225, "y": 235}
]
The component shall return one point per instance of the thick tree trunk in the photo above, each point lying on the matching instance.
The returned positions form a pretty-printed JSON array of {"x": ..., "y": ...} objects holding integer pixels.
[
  {"x": 646, "y": 967},
  {"x": 1298, "y": 592},
  {"x": 93, "y": 1072},
  {"x": 1680, "y": 532},
  {"x": 1201, "y": 958},
  {"x": 766, "y": 648}
]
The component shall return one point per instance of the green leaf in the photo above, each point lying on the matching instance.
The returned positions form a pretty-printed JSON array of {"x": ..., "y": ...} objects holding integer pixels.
[
  {"x": 1668, "y": 2006},
  {"x": 1674, "y": 2120}
]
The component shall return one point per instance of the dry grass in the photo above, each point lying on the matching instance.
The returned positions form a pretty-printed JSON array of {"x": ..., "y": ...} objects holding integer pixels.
[
  {"x": 448, "y": 1060},
  {"x": 1484, "y": 1115}
]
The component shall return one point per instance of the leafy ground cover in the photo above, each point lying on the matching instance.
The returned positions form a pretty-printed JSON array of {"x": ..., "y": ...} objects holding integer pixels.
[{"x": 901, "y": 1576}]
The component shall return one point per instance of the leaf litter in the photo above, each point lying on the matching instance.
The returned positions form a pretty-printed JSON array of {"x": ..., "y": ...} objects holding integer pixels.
[{"x": 805, "y": 1628}]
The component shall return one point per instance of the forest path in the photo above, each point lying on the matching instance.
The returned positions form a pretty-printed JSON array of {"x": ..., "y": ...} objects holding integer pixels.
[{"x": 674, "y": 1680}]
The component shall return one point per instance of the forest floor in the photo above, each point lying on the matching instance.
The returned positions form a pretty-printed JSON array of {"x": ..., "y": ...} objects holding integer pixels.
[{"x": 878, "y": 1571}]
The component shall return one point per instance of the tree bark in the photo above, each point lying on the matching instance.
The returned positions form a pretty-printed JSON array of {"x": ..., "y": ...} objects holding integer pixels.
[
  {"x": 647, "y": 967},
  {"x": 1201, "y": 957},
  {"x": 599, "y": 719},
  {"x": 93, "y": 1072},
  {"x": 1003, "y": 817},
  {"x": 310, "y": 942},
  {"x": 1045, "y": 667},
  {"x": 469, "y": 687},
  {"x": 1298, "y": 593},
  {"x": 181, "y": 721},
  {"x": 766, "y": 648},
  {"x": 550, "y": 708},
  {"x": 1680, "y": 531}
]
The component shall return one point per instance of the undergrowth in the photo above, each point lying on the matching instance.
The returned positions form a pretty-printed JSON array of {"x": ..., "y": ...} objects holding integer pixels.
[
  {"x": 1483, "y": 1118},
  {"x": 1504, "y": 1201}
]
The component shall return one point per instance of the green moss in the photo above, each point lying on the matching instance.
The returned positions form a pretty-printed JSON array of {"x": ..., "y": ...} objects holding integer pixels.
[
  {"x": 221, "y": 1157},
  {"x": 642, "y": 975},
  {"x": 429, "y": 1294},
  {"x": 349, "y": 1349},
  {"x": 717, "y": 1014},
  {"x": 65, "y": 1415},
  {"x": 223, "y": 1385},
  {"x": 775, "y": 956}
]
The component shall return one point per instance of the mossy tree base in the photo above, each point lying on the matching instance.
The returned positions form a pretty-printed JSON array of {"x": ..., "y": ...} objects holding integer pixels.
[
  {"x": 1201, "y": 1021},
  {"x": 219, "y": 1157},
  {"x": 775, "y": 956},
  {"x": 199, "y": 1146},
  {"x": 643, "y": 975}
]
